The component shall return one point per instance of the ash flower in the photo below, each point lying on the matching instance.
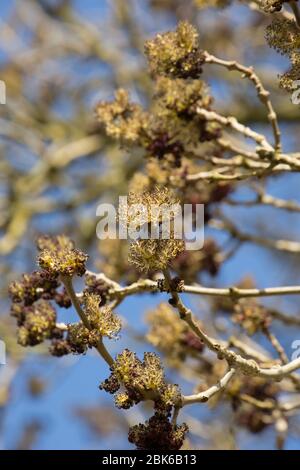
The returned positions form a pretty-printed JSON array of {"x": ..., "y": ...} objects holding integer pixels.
[
  {"x": 157, "y": 433},
  {"x": 96, "y": 286},
  {"x": 212, "y": 3},
  {"x": 284, "y": 36},
  {"x": 38, "y": 323},
  {"x": 122, "y": 119},
  {"x": 101, "y": 319},
  {"x": 78, "y": 338},
  {"x": 176, "y": 53},
  {"x": 182, "y": 96},
  {"x": 58, "y": 256},
  {"x": 288, "y": 79},
  {"x": 154, "y": 255},
  {"x": 149, "y": 207},
  {"x": 123, "y": 401},
  {"x": 155, "y": 210},
  {"x": 272, "y": 6},
  {"x": 171, "y": 335},
  {"x": 33, "y": 287},
  {"x": 59, "y": 348},
  {"x": 142, "y": 380},
  {"x": 251, "y": 315}
]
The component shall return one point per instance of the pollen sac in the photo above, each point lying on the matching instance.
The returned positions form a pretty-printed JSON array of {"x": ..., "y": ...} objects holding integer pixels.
[{"x": 58, "y": 256}]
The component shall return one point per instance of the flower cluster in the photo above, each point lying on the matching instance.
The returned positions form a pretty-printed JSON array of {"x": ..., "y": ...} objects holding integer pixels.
[
  {"x": 58, "y": 256},
  {"x": 141, "y": 380},
  {"x": 101, "y": 322},
  {"x": 32, "y": 287},
  {"x": 212, "y": 3},
  {"x": 154, "y": 255},
  {"x": 158, "y": 433},
  {"x": 176, "y": 53},
  {"x": 36, "y": 317},
  {"x": 252, "y": 316},
  {"x": 174, "y": 123},
  {"x": 171, "y": 128},
  {"x": 31, "y": 296},
  {"x": 150, "y": 254},
  {"x": 247, "y": 415},
  {"x": 272, "y": 6},
  {"x": 190, "y": 264},
  {"x": 95, "y": 285},
  {"x": 287, "y": 80},
  {"x": 171, "y": 335},
  {"x": 284, "y": 36},
  {"x": 36, "y": 323},
  {"x": 121, "y": 119}
]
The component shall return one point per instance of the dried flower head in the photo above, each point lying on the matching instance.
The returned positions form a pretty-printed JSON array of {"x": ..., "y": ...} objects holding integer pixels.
[
  {"x": 158, "y": 433},
  {"x": 58, "y": 256},
  {"x": 176, "y": 53}
]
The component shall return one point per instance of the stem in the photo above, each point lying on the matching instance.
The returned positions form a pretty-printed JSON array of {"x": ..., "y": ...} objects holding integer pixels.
[
  {"x": 234, "y": 360},
  {"x": 296, "y": 12},
  {"x": 203, "y": 397},
  {"x": 67, "y": 281}
]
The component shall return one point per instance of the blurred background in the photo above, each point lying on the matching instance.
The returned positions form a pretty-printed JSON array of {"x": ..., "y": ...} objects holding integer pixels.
[{"x": 58, "y": 58}]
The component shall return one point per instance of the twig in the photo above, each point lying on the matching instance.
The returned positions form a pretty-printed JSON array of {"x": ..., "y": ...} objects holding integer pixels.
[
  {"x": 203, "y": 397},
  {"x": 262, "y": 93}
]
